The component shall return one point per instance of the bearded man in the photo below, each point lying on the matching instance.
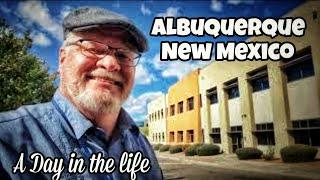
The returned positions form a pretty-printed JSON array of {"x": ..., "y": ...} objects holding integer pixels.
[{"x": 97, "y": 67}]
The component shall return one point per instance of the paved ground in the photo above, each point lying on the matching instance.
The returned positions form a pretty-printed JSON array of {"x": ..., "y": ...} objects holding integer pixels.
[{"x": 228, "y": 167}]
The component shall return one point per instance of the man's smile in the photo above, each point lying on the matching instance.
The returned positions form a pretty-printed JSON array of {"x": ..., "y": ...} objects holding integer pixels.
[{"x": 104, "y": 80}]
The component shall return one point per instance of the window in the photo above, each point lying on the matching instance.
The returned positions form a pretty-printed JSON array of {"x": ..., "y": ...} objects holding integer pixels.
[
  {"x": 300, "y": 66},
  {"x": 172, "y": 110},
  {"x": 180, "y": 107},
  {"x": 236, "y": 128},
  {"x": 260, "y": 84},
  {"x": 212, "y": 95},
  {"x": 162, "y": 113},
  {"x": 190, "y": 104},
  {"x": 200, "y": 99},
  {"x": 233, "y": 92},
  {"x": 236, "y": 137},
  {"x": 306, "y": 132},
  {"x": 216, "y": 136},
  {"x": 163, "y": 137},
  {"x": 232, "y": 89},
  {"x": 180, "y": 136},
  {"x": 259, "y": 79},
  {"x": 265, "y": 134},
  {"x": 190, "y": 136},
  {"x": 171, "y": 137}
]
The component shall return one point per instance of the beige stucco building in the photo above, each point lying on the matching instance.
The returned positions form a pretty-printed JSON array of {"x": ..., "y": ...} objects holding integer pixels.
[
  {"x": 266, "y": 103},
  {"x": 157, "y": 121}
]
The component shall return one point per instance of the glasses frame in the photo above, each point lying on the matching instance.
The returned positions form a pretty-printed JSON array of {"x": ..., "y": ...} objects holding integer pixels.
[{"x": 111, "y": 49}]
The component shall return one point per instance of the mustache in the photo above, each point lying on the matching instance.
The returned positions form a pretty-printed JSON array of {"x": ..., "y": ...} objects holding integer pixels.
[{"x": 113, "y": 76}]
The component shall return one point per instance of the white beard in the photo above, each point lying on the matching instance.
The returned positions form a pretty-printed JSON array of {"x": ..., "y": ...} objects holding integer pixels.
[{"x": 98, "y": 104}]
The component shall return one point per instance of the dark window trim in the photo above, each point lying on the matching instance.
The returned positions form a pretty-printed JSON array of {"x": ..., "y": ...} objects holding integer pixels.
[
  {"x": 229, "y": 86},
  {"x": 211, "y": 91},
  {"x": 258, "y": 73},
  {"x": 297, "y": 58}
]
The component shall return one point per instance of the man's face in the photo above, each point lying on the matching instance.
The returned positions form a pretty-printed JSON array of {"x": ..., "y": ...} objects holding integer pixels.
[{"x": 96, "y": 84}]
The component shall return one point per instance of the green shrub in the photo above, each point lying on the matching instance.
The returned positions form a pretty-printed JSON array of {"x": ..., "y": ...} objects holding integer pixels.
[
  {"x": 298, "y": 153},
  {"x": 192, "y": 150},
  {"x": 248, "y": 153},
  {"x": 208, "y": 150},
  {"x": 269, "y": 154},
  {"x": 175, "y": 149},
  {"x": 164, "y": 148},
  {"x": 157, "y": 146}
]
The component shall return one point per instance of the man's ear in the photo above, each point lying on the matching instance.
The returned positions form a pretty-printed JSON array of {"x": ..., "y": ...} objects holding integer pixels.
[{"x": 62, "y": 56}]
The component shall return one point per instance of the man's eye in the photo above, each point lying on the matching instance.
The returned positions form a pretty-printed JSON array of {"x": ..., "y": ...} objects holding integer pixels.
[
  {"x": 97, "y": 51},
  {"x": 121, "y": 56}
]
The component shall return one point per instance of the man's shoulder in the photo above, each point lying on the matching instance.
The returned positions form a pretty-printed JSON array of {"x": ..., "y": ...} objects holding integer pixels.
[{"x": 12, "y": 118}]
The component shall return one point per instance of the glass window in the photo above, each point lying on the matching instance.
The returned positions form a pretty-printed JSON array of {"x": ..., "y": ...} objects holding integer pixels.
[
  {"x": 216, "y": 136},
  {"x": 171, "y": 136},
  {"x": 190, "y": 104},
  {"x": 180, "y": 136},
  {"x": 213, "y": 98},
  {"x": 172, "y": 110},
  {"x": 265, "y": 138},
  {"x": 260, "y": 84},
  {"x": 265, "y": 134},
  {"x": 233, "y": 92},
  {"x": 180, "y": 107},
  {"x": 302, "y": 68},
  {"x": 190, "y": 136},
  {"x": 307, "y": 132}
]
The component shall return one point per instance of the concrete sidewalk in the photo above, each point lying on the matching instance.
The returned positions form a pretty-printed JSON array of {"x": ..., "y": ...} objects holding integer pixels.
[{"x": 309, "y": 170}]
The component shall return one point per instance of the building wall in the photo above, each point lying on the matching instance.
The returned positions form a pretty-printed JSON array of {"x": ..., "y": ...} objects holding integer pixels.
[
  {"x": 215, "y": 120},
  {"x": 280, "y": 103},
  {"x": 262, "y": 106},
  {"x": 187, "y": 120},
  {"x": 234, "y": 112},
  {"x": 301, "y": 99},
  {"x": 157, "y": 124}
]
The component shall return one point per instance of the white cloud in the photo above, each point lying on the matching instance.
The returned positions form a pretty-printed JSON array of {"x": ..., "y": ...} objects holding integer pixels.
[
  {"x": 5, "y": 9},
  {"x": 138, "y": 105},
  {"x": 116, "y": 4},
  {"x": 176, "y": 68},
  {"x": 145, "y": 10},
  {"x": 40, "y": 39},
  {"x": 143, "y": 76},
  {"x": 170, "y": 12},
  {"x": 237, "y": 2},
  {"x": 64, "y": 12},
  {"x": 37, "y": 12},
  {"x": 216, "y": 5}
]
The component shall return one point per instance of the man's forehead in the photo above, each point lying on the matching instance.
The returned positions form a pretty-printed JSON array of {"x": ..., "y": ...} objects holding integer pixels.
[{"x": 108, "y": 32}]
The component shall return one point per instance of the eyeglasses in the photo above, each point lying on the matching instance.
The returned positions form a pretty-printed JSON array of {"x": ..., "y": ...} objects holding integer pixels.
[{"x": 94, "y": 49}]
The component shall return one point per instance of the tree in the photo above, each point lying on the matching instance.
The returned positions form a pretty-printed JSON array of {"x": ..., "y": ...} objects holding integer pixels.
[{"x": 24, "y": 79}]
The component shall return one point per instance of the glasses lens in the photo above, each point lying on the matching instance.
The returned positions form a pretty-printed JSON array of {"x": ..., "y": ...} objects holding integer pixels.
[
  {"x": 127, "y": 57},
  {"x": 94, "y": 49}
]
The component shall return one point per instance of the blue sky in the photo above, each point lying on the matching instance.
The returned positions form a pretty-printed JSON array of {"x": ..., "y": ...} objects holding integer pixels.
[{"x": 153, "y": 77}]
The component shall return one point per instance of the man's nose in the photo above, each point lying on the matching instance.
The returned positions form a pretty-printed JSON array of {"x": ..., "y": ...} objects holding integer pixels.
[{"x": 110, "y": 63}]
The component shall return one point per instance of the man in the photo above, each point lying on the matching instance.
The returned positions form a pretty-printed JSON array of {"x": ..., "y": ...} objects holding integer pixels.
[{"x": 97, "y": 66}]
